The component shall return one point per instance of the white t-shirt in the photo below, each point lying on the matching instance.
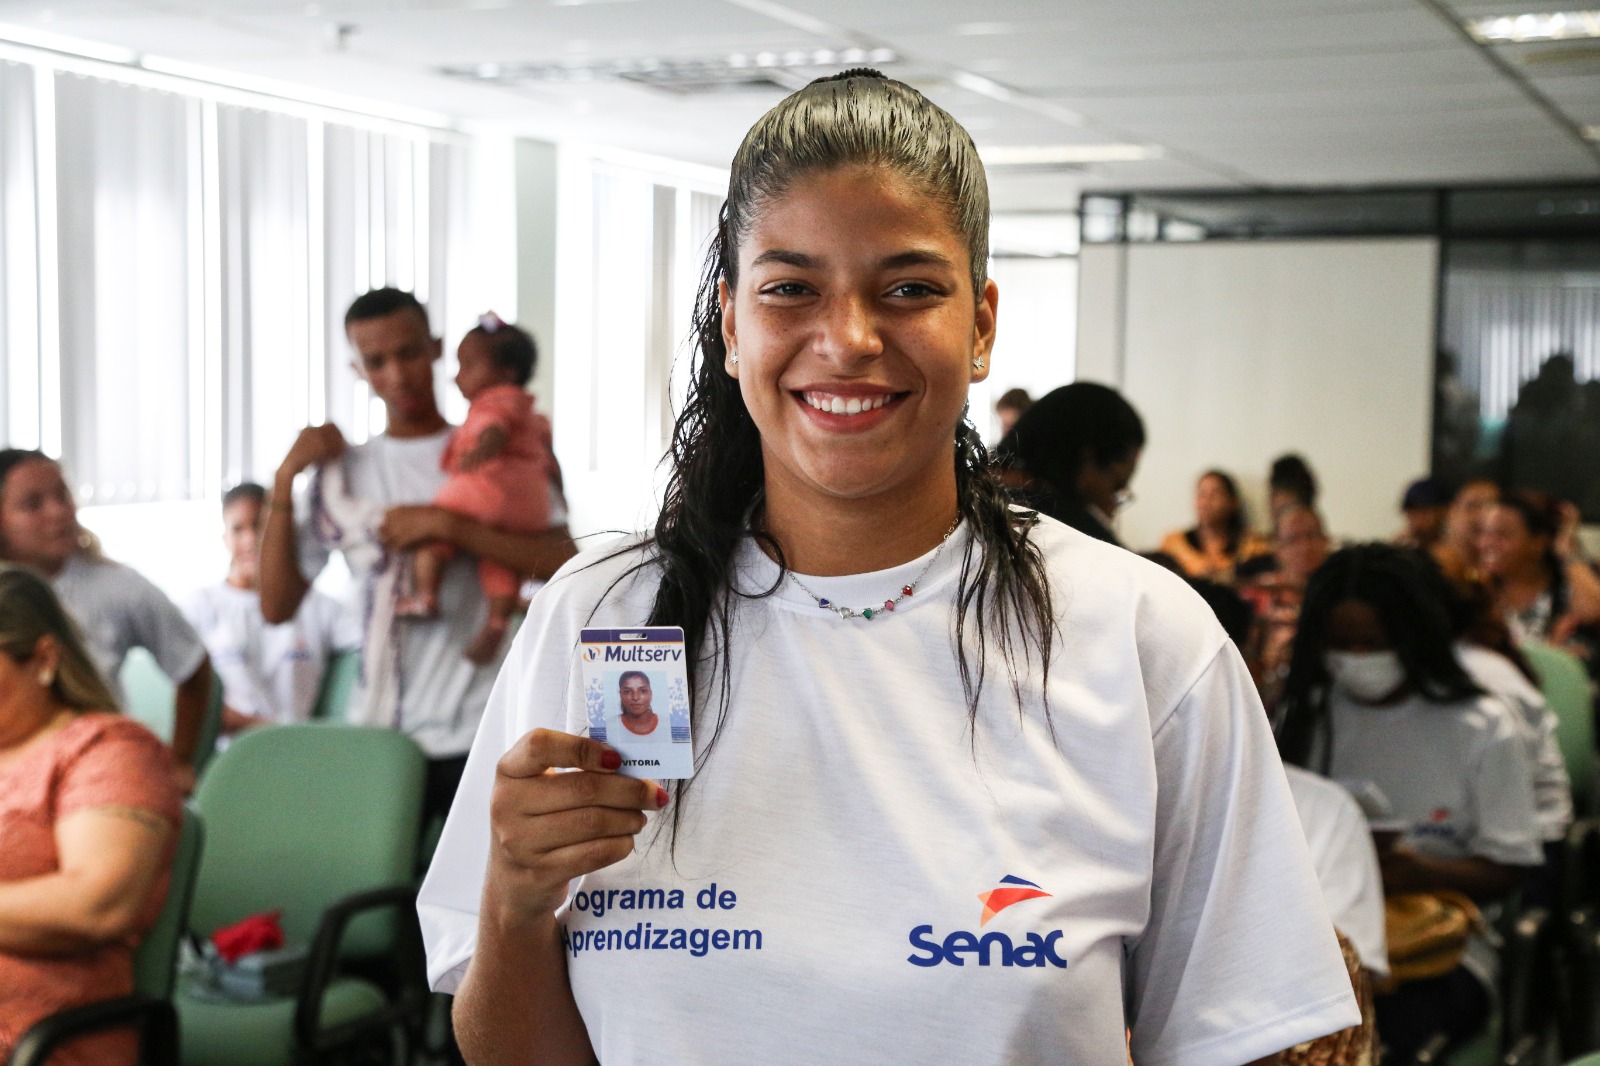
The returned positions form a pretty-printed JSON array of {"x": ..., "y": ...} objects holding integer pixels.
[
  {"x": 273, "y": 671},
  {"x": 1457, "y": 775},
  {"x": 615, "y": 728},
  {"x": 118, "y": 609},
  {"x": 1552, "y": 788},
  {"x": 1346, "y": 862},
  {"x": 442, "y": 694},
  {"x": 849, "y": 816}
]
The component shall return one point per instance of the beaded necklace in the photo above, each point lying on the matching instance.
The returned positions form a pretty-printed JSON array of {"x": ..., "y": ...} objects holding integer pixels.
[{"x": 888, "y": 605}]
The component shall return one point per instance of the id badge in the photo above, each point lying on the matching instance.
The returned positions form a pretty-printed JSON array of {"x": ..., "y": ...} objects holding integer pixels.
[{"x": 636, "y": 694}]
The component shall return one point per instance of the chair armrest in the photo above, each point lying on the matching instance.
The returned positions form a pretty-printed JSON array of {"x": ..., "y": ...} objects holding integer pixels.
[
  {"x": 324, "y": 955},
  {"x": 1526, "y": 1052},
  {"x": 156, "y": 1020},
  {"x": 1434, "y": 1051}
]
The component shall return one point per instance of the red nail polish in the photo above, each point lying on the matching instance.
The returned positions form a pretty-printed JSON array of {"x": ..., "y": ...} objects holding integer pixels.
[
  {"x": 661, "y": 796},
  {"x": 610, "y": 760}
]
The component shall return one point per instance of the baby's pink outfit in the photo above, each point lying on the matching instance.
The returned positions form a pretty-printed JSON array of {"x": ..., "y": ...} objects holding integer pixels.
[{"x": 510, "y": 491}]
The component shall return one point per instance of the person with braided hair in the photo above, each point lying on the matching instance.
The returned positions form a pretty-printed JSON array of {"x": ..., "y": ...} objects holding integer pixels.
[
  {"x": 1377, "y": 698},
  {"x": 969, "y": 785}
]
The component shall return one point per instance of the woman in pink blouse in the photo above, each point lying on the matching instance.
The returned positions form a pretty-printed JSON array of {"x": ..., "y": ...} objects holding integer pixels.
[{"x": 89, "y": 804}]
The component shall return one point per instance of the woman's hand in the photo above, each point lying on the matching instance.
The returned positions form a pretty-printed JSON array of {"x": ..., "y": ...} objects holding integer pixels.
[
  {"x": 413, "y": 525},
  {"x": 549, "y": 825}
]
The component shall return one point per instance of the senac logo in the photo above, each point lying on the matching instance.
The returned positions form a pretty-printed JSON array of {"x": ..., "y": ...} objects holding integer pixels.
[{"x": 990, "y": 949}]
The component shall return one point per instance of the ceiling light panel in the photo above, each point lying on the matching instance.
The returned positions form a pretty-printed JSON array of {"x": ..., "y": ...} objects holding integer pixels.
[
  {"x": 740, "y": 71},
  {"x": 1046, "y": 155},
  {"x": 1548, "y": 26}
]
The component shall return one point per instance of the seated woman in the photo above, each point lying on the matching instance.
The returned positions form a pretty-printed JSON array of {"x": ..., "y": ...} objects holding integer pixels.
[
  {"x": 1220, "y": 539},
  {"x": 1456, "y": 550},
  {"x": 88, "y": 808},
  {"x": 114, "y": 606},
  {"x": 1274, "y": 587},
  {"x": 1290, "y": 483},
  {"x": 1540, "y": 595},
  {"x": 1072, "y": 455},
  {"x": 1376, "y": 697}
]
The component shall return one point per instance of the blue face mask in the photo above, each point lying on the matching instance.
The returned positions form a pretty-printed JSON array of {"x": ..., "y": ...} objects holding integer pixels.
[{"x": 1366, "y": 676}]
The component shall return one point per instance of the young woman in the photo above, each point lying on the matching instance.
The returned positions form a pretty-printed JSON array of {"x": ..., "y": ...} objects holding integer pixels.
[
  {"x": 1025, "y": 804},
  {"x": 1456, "y": 550},
  {"x": 1540, "y": 595},
  {"x": 1221, "y": 538},
  {"x": 1072, "y": 455},
  {"x": 1376, "y": 695},
  {"x": 88, "y": 809},
  {"x": 115, "y": 606}
]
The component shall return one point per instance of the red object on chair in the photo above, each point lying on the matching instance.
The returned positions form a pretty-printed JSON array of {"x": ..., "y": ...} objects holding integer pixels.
[{"x": 259, "y": 932}]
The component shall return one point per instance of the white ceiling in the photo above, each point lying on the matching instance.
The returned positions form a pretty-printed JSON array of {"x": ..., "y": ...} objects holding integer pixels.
[{"x": 1232, "y": 92}]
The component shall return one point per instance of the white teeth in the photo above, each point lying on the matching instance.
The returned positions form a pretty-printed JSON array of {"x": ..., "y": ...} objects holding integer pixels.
[{"x": 838, "y": 405}]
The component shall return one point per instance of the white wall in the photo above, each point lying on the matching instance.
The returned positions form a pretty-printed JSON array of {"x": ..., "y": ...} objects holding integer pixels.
[
  {"x": 1036, "y": 335},
  {"x": 1235, "y": 353}
]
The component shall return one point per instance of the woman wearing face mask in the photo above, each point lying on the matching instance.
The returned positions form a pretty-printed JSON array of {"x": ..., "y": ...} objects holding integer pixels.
[{"x": 1377, "y": 695}]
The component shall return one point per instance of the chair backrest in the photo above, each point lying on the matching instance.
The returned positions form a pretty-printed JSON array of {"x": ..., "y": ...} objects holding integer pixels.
[
  {"x": 338, "y": 681},
  {"x": 155, "y": 964},
  {"x": 1565, "y": 684},
  {"x": 148, "y": 693},
  {"x": 298, "y": 816},
  {"x": 210, "y": 726},
  {"x": 150, "y": 696}
]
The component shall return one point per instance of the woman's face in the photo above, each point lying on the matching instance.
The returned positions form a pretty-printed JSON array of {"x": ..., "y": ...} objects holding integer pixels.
[
  {"x": 1354, "y": 625},
  {"x": 1213, "y": 505},
  {"x": 23, "y": 700},
  {"x": 1464, "y": 520},
  {"x": 856, "y": 329},
  {"x": 1504, "y": 543},
  {"x": 38, "y": 520},
  {"x": 1104, "y": 486}
]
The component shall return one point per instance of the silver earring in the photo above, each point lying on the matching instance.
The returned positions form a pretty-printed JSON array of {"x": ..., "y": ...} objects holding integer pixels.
[
  {"x": 47, "y": 678},
  {"x": 977, "y": 364},
  {"x": 733, "y": 356}
]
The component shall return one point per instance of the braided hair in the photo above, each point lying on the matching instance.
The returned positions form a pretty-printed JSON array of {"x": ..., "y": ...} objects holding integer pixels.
[{"x": 1394, "y": 582}]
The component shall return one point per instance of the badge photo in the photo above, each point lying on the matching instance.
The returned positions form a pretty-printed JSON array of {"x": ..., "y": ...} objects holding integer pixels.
[{"x": 636, "y": 698}]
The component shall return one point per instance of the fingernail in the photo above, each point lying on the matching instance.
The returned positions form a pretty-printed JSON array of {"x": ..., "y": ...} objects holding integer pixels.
[
  {"x": 611, "y": 759},
  {"x": 661, "y": 797}
]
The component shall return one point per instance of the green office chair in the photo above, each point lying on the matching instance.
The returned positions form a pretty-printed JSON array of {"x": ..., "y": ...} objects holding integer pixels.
[
  {"x": 319, "y": 822},
  {"x": 149, "y": 695},
  {"x": 155, "y": 967},
  {"x": 338, "y": 681},
  {"x": 1565, "y": 684}
]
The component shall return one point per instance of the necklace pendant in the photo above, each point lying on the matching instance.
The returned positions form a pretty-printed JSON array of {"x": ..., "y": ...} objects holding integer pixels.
[
  {"x": 888, "y": 605},
  {"x": 824, "y": 604},
  {"x": 845, "y": 612},
  {"x": 867, "y": 614},
  {"x": 906, "y": 591}
]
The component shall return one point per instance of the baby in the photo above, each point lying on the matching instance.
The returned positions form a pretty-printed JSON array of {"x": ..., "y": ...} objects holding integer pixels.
[{"x": 501, "y": 471}]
